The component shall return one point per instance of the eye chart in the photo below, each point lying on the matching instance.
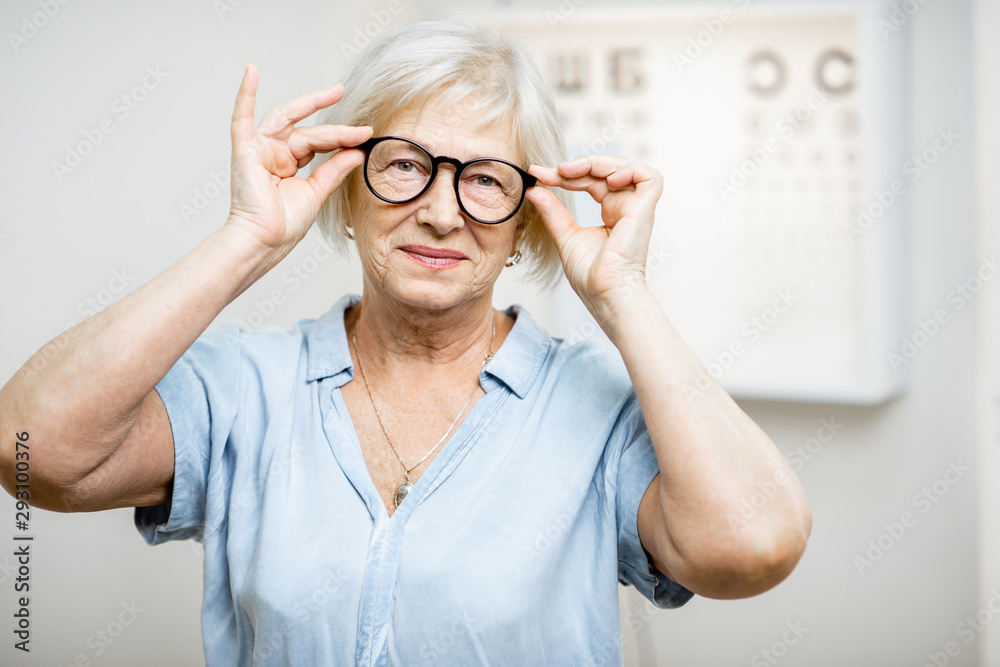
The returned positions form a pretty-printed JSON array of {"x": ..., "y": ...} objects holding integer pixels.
[{"x": 778, "y": 249}]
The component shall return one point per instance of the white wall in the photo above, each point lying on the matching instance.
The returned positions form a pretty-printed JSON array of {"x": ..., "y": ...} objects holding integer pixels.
[
  {"x": 61, "y": 241},
  {"x": 987, "y": 18},
  {"x": 910, "y": 602}
]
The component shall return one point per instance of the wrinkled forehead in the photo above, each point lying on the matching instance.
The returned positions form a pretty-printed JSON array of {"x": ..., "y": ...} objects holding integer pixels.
[{"x": 463, "y": 127}]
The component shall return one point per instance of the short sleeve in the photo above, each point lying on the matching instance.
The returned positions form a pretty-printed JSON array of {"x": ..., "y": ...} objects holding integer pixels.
[
  {"x": 200, "y": 395},
  {"x": 631, "y": 446}
]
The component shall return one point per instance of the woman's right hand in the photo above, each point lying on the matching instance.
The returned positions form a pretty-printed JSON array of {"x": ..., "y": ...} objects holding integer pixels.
[
  {"x": 106, "y": 440},
  {"x": 268, "y": 200}
]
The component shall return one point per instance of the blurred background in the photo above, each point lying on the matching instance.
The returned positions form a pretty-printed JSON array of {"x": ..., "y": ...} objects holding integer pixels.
[{"x": 826, "y": 243}]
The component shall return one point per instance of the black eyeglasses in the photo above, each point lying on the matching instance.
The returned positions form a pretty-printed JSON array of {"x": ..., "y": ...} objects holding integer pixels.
[{"x": 489, "y": 190}]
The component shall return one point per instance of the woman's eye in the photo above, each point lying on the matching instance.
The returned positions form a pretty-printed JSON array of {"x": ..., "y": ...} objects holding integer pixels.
[
  {"x": 403, "y": 165},
  {"x": 485, "y": 181}
]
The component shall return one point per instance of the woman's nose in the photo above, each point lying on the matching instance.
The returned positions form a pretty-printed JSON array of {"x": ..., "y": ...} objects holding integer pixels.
[{"x": 438, "y": 206}]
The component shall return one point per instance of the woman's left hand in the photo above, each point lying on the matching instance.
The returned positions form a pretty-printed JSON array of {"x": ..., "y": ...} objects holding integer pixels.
[{"x": 608, "y": 263}]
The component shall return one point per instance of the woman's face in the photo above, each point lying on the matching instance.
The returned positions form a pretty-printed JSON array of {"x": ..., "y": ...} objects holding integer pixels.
[{"x": 390, "y": 236}]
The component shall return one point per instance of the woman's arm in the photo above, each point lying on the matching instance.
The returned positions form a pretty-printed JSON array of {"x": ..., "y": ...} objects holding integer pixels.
[
  {"x": 99, "y": 434},
  {"x": 713, "y": 460},
  {"x": 712, "y": 456}
]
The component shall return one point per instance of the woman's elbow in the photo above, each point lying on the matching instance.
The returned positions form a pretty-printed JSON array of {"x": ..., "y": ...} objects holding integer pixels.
[
  {"x": 754, "y": 558},
  {"x": 24, "y": 472},
  {"x": 23, "y": 483},
  {"x": 774, "y": 556}
]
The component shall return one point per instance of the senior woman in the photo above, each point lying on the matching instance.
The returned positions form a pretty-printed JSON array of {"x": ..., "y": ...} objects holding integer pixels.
[{"x": 415, "y": 477}]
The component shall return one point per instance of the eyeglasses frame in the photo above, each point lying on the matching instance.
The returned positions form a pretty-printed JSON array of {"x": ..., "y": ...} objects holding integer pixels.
[{"x": 527, "y": 179}]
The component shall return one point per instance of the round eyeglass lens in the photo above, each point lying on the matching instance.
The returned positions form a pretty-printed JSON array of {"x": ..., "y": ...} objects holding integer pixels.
[
  {"x": 490, "y": 190},
  {"x": 398, "y": 170}
]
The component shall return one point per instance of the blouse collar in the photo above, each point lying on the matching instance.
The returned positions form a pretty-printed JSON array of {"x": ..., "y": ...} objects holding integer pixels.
[{"x": 516, "y": 364}]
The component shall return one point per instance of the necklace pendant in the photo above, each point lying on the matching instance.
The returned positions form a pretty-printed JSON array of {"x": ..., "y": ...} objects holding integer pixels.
[{"x": 401, "y": 492}]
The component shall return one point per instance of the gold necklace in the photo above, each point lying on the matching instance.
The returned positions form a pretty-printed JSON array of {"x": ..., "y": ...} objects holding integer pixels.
[{"x": 406, "y": 486}]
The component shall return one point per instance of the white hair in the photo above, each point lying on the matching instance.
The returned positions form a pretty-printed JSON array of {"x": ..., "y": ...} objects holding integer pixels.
[{"x": 452, "y": 62}]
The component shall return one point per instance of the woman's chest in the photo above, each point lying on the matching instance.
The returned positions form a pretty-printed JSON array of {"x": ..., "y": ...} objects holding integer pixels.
[
  {"x": 486, "y": 554},
  {"x": 399, "y": 443},
  {"x": 387, "y": 470},
  {"x": 507, "y": 507}
]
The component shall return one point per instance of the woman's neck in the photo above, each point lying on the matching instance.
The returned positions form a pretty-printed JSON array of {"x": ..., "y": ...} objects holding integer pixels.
[{"x": 420, "y": 344}]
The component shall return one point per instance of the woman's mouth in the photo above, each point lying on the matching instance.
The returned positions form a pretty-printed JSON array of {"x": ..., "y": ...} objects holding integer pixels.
[{"x": 438, "y": 258}]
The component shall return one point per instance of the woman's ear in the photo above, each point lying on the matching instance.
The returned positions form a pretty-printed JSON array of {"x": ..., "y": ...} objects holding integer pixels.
[{"x": 517, "y": 234}]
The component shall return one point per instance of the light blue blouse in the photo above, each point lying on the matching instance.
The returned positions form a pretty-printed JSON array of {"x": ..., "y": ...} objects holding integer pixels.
[{"x": 508, "y": 550}]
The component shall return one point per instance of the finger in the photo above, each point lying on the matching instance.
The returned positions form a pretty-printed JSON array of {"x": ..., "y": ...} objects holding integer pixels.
[
  {"x": 242, "y": 126},
  {"x": 642, "y": 176},
  {"x": 557, "y": 219},
  {"x": 597, "y": 188},
  {"x": 599, "y": 166},
  {"x": 282, "y": 117},
  {"x": 329, "y": 175},
  {"x": 546, "y": 175},
  {"x": 306, "y": 141}
]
